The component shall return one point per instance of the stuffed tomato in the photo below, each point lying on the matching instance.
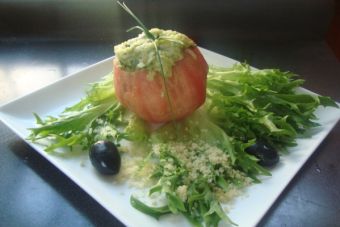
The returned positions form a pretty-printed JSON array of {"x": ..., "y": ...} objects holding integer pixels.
[{"x": 160, "y": 88}]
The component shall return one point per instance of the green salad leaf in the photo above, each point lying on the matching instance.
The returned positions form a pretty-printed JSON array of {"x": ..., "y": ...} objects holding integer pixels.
[
  {"x": 95, "y": 117},
  {"x": 261, "y": 104},
  {"x": 155, "y": 212},
  {"x": 198, "y": 162}
]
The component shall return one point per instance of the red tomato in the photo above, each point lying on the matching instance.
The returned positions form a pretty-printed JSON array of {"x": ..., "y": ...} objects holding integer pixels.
[{"x": 147, "y": 98}]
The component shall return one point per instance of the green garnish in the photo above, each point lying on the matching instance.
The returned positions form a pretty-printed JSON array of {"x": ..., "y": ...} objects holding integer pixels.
[
  {"x": 155, "y": 212},
  {"x": 242, "y": 106},
  {"x": 141, "y": 26},
  {"x": 94, "y": 118},
  {"x": 199, "y": 162},
  {"x": 150, "y": 36},
  {"x": 261, "y": 104}
]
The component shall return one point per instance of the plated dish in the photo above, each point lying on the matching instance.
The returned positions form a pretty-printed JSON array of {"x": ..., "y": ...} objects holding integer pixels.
[{"x": 115, "y": 197}]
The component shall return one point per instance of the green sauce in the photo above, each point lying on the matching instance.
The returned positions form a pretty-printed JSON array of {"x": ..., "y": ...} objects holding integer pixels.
[{"x": 139, "y": 53}]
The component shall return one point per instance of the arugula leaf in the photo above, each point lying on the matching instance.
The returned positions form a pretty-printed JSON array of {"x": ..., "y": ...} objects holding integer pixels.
[
  {"x": 215, "y": 208},
  {"x": 155, "y": 212},
  {"x": 175, "y": 204}
]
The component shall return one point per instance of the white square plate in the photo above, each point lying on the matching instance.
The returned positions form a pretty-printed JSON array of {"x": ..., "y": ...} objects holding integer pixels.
[{"x": 52, "y": 99}]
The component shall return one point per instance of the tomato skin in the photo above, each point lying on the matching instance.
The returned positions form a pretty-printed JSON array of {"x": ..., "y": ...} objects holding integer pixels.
[{"x": 147, "y": 98}]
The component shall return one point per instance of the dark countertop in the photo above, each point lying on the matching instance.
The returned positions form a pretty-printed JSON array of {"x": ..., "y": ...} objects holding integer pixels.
[{"x": 35, "y": 193}]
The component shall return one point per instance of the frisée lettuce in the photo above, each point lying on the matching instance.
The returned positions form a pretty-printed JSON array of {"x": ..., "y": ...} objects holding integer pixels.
[
  {"x": 199, "y": 162},
  {"x": 264, "y": 105}
]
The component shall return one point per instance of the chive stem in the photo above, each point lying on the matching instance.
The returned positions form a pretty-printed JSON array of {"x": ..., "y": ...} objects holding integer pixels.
[{"x": 150, "y": 36}]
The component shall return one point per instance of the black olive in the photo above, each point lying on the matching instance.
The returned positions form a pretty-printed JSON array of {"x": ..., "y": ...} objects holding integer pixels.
[
  {"x": 267, "y": 155},
  {"x": 105, "y": 157}
]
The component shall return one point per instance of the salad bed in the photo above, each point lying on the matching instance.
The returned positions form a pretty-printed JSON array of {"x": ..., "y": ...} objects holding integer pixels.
[
  {"x": 200, "y": 161},
  {"x": 203, "y": 133}
]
